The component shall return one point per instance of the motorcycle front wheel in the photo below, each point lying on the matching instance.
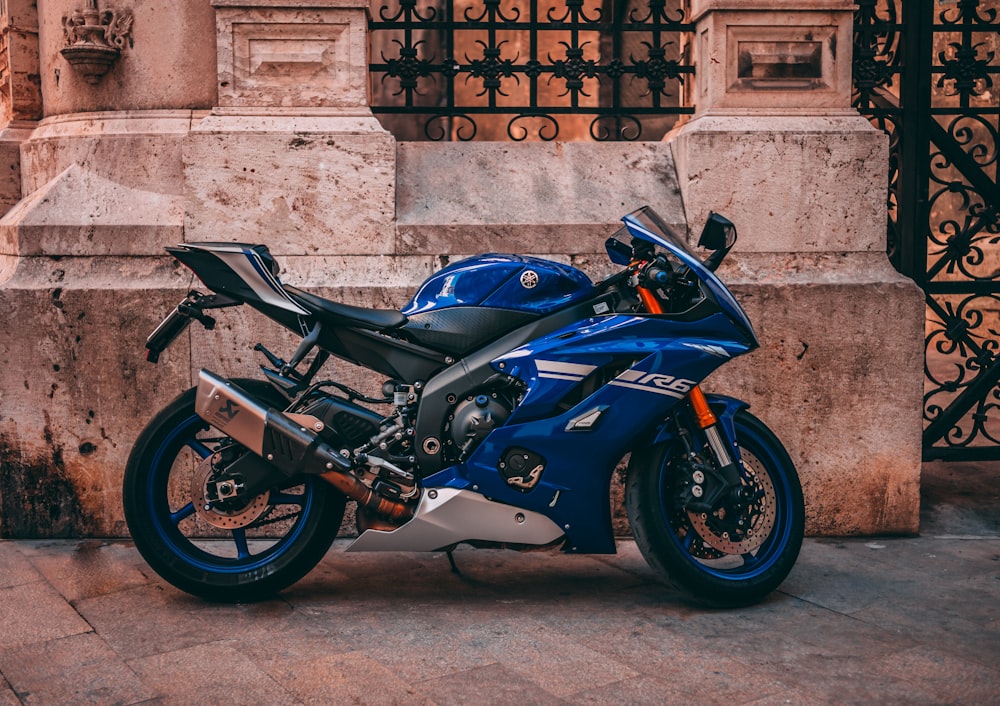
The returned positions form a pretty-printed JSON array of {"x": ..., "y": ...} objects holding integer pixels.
[
  {"x": 232, "y": 551},
  {"x": 741, "y": 552}
]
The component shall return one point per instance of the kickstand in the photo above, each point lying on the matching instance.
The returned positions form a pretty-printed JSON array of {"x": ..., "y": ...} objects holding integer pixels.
[{"x": 454, "y": 566}]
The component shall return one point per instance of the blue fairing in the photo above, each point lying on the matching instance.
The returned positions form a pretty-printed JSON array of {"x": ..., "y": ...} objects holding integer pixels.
[
  {"x": 664, "y": 358},
  {"x": 513, "y": 282}
]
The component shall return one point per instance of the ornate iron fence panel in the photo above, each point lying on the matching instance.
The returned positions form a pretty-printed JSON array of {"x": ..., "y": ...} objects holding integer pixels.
[
  {"x": 529, "y": 69},
  {"x": 925, "y": 72}
]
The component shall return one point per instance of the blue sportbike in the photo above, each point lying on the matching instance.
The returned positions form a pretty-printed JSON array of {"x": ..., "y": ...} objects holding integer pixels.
[{"x": 504, "y": 396}]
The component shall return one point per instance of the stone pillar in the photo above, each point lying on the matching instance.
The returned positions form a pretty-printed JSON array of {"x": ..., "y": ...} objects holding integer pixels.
[
  {"x": 20, "y": 92},
  {"x": 776, "y": 147},
  {"x": 292, "y": 156},
  {"x": 83, "y": 275}
]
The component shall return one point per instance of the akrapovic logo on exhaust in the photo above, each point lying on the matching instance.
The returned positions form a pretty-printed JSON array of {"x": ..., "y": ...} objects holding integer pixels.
[
  {"x": 654, "y": 382},
  {"x": 224, "y": 414}
]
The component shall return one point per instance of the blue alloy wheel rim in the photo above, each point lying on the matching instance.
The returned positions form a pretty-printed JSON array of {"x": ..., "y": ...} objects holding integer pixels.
[
  {"x": 773, "y": 547},
  {"x": 166, "y": 522}
]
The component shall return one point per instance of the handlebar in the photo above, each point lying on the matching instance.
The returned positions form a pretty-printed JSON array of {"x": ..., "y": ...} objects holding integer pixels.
[
  {"x": 658, "y": 276},
  {"x": 658, "y": 272}
]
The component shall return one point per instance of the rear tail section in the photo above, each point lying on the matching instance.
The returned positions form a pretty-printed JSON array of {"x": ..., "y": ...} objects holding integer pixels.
[{"x": 246, "y": 272}]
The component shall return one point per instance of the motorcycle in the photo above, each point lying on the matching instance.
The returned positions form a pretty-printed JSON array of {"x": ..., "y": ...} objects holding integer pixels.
[{"x": 513, "y": 388}]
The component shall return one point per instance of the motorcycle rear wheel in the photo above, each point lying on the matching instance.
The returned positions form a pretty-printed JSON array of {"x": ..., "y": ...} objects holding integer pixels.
[
  {"x": 234, "y": 554},
  {"x": 714, "y": 569}
]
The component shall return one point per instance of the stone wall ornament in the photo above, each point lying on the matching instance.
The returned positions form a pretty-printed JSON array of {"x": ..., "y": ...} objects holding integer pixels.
[{"x": 95, "y": 39}]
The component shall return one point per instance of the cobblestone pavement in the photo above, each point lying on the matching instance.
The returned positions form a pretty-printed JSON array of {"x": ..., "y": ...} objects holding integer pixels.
[{"x": 874, "y": 620}]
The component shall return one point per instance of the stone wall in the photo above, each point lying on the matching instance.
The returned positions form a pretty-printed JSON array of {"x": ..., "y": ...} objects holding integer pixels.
[{"x": 209, "y": 126}]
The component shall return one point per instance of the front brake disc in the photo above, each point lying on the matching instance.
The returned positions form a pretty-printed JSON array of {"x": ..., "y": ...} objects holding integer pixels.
[{"x": 758, "y": 518}]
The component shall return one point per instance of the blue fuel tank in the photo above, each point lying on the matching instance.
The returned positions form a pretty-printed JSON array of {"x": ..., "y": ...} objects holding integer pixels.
[{"x": 516, "y": 283}]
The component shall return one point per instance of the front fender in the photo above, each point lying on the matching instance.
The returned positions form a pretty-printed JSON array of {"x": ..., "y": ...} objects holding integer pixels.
[{"x": 725, "y": 409}]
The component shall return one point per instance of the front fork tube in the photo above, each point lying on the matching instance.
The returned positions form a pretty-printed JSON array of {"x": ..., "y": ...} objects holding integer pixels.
[{"x": 726, "y": 469}]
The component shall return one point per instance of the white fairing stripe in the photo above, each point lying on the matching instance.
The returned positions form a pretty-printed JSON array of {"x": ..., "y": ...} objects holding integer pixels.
[
  {"x": 554, "y": 366},
  {"x": 260, "y": 279},
  {"x": 647, "y": 388},
  {"x": 630, "y": 375},
  {"x": 552, "y": 376}
]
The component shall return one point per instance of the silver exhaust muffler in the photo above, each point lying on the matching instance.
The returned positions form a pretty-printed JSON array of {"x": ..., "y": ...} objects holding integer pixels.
[
  {"x": 282, "y": 441},
  {"x": 285, "y": 441}
]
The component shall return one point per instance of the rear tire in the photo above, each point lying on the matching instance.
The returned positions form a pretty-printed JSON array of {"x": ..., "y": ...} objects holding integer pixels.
[
  {"x": 243, "y": 554},
  {"x": 716, "y": 570}
]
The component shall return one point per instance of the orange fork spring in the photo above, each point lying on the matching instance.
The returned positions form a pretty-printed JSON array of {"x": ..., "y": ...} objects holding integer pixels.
[
  {"x": 702, "y": 411},
  {"x": 650, "y": 301}
]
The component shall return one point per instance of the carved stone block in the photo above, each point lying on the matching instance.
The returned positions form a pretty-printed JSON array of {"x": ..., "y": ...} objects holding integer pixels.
[
  {"x": 770, "y": 60},
  {"x": 311, "y": 56}
]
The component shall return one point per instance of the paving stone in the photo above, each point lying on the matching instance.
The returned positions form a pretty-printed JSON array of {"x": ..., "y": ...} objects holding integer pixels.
[
  {"x": 498, "y": 685},
  {"x": 708, "y": 669},
  {"x": 34, "y": 612},
  {"x": 152, "y": 619},
  {"x": 350, "y": 678},
  {"x": 904, "y": 621},
  {"x": 430, "y": 646},
  {"x": 554, "y": 661},
  {"x": 15, "y": 569},
  {"x": 947, "y": 677},
  {"x": 89, "y": 568},
  {"x": 650, "y": 690},
  {"x": 212, "y": 673},
  {"x": 7, "y": 695},
  {"x": 80, "y": 669}
]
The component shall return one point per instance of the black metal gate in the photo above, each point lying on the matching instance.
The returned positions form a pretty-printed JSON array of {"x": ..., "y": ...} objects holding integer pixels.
[{"x": 924, "y": 72}]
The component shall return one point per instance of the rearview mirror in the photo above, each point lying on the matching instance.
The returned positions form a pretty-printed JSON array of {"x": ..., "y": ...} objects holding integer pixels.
[
  {"x": 618, "y": 252},
  {"x": 719, "y": 233}
]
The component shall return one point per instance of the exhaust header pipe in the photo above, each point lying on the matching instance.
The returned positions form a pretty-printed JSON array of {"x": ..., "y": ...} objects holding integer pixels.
[{"x": 284, "y": 442}]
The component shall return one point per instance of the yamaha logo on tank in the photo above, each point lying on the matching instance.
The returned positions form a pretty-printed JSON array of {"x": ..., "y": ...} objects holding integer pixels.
[{"x": 529, "y": 279}]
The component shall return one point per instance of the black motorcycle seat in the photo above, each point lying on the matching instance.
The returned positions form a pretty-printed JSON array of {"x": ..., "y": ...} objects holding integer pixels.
[{"x": 346, "y": 315}]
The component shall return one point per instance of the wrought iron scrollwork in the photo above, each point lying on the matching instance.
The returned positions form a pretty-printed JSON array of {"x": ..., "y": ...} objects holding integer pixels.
[
  {"x": 527, "y": 69},
  {"x": 927, "y": 78}
]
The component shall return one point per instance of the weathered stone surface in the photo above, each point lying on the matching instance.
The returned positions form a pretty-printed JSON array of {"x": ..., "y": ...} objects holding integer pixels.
[
  {"x": 20, "y": 91},
  {"x": 807, "y": 197},
  {"x": 468, "y": 198},
  {"x": 82, "y": 213},
  {"x": 290, "y": 156},
  {"x": 11, "y": 138},
  {"x": 170, "y": 64},
  {"x": 827, "y": 380},
  {"x": 303, "y": 186},
  {"x": 77, "y": 389},
  {"x": 137, "y": 149},
  {"x": 303, "y": 54},
  {"x": 760, "y": 56},
  {"x": 20, "y": 83},
  {"x": 791, "y": 184}
]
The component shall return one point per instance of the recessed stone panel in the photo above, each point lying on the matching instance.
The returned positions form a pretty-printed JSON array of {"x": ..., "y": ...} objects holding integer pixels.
[
  {"x": 310, "y": 56},
  {"x": 781, "y": 58},
  {"x": 268, "y": 56}
]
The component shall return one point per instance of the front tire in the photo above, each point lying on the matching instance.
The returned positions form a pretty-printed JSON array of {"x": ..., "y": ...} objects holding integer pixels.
[
  {"x": 235, "y": 553},
  {"x": 690, "y": 549}
]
